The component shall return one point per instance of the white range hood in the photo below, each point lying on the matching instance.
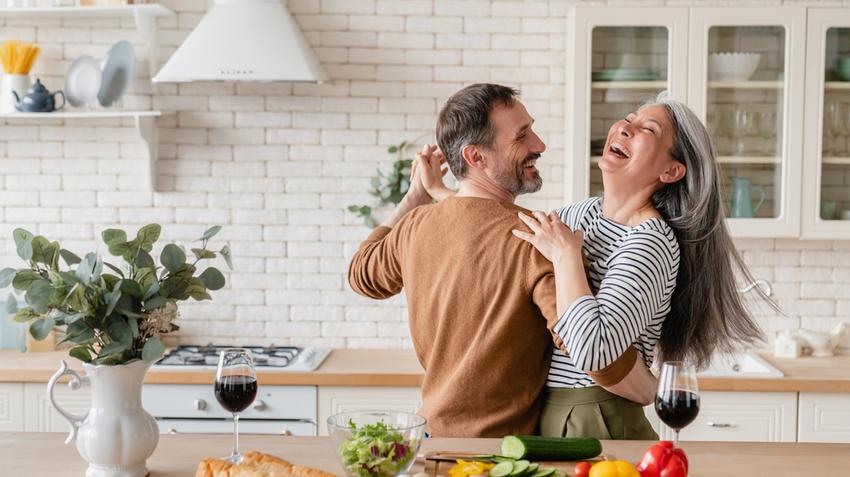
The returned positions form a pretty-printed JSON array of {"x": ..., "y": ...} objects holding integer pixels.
[{"x": 244, "y": 40}]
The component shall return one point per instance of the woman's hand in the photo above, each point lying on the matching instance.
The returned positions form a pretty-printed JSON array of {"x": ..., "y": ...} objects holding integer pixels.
[
  {"x": 551, "y": 237},
  {"x": 431, "y": 165}
]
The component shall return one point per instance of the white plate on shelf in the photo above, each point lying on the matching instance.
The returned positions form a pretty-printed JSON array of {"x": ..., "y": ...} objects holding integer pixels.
[
  {"x": 117, "y": 73},
  {"x": 82, "y": 81}
]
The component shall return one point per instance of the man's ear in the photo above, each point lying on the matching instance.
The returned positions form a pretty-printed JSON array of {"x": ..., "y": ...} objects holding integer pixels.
[
  {"x": 674, "y": 173},
  {"x": 473, "y": 157}
]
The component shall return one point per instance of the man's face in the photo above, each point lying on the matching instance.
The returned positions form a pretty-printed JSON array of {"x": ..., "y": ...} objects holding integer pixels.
[{"x": 516, "y": 148}]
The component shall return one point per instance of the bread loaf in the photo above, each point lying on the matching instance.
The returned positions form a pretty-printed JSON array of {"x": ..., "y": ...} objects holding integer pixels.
[{"x": 256, "y": 464}]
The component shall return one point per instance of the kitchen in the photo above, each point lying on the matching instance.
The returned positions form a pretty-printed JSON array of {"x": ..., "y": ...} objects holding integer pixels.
[{"x": 278, "y": 164}]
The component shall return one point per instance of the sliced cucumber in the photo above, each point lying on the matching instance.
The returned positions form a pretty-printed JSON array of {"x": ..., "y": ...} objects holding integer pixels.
[
  {"x": 544, "y": 472},
  {"x": 519, "y": 469},
  {"x": 559, "y": 473},
  {"x": 502, "y": 469},
  {"x": 532, "y": 468}
]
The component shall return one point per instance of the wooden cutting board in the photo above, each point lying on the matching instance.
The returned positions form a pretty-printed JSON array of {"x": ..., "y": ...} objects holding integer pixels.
[{"x": 438, "y": 463}]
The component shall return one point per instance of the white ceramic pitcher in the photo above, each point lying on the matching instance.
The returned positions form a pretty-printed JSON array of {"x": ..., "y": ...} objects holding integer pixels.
[{"x": 115, "y": 436}]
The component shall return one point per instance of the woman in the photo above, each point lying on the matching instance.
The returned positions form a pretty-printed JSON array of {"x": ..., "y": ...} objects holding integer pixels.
[{"x": 661, "y": 272}]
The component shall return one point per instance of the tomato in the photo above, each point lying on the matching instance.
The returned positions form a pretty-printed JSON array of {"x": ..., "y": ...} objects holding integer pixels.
[{"x": 582, "y": 469}]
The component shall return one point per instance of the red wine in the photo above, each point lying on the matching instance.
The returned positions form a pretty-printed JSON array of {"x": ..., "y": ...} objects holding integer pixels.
[
  {"x": 678, "y": 408},
  {"x": 236, "y": 392}
]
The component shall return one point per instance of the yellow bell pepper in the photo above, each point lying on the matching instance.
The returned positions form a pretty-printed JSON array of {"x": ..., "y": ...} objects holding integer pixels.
[
  {"x": 613, "y": 468},
  {"x": 465, "y": 468}
]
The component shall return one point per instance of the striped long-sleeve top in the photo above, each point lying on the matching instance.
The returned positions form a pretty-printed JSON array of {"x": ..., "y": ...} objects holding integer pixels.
[{"x": 632, "y": 272}]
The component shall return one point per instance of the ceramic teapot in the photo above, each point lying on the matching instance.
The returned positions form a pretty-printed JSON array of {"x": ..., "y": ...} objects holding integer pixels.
[{"x": 38, "y": 99}]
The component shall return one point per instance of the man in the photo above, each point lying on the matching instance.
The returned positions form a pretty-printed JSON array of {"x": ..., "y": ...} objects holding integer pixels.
[{"x": 479, "y": 299}]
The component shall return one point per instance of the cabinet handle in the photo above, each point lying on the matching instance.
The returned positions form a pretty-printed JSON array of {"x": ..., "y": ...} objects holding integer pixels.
[
  {"x": 172, "y": 430},
  {"x": 259, "y": 405},
  {"x": 286, "y": 432},
  {"x": 721, "y": 425},
  {"x": 199, "y": 404}
]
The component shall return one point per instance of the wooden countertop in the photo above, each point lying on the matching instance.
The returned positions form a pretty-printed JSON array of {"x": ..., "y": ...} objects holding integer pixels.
[
  {"x": 22, "y": 454},
  {"x": 350, "y": 367}
]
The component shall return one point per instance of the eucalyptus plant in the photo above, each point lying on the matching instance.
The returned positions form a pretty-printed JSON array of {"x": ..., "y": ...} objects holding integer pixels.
[
  {"x": 389, "y": 188},
  {"x": 112, "y": 314}
]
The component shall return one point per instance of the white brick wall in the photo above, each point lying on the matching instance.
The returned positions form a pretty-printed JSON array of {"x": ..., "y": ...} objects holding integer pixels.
[{"x": 277, "y": 164}]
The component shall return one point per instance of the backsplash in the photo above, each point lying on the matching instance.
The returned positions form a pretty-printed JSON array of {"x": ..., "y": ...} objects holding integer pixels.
[{"x": 278, "y": 164}]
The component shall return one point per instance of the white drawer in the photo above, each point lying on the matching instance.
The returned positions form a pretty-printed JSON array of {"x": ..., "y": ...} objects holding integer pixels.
[
  {"x": 336, "y": 399},
  {"x": 739, "y": 416},
  {"x": 198, "y": 401},
  {"x": 246, "y": 426},
  {"x": 824, "y": 417}
]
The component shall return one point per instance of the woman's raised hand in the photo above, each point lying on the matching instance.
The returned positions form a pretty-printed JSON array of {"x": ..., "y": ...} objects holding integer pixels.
[
  {"x": 551, "y": 237},
  {"x": 432, "y": 168}
]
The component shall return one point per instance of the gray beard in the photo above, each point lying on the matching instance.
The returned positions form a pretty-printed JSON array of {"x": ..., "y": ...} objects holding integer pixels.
[{"x": 514, "y": 182}]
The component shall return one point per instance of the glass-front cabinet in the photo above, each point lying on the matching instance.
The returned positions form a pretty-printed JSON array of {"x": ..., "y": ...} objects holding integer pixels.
[
  {"x": 826, "y": 177},
  {"x": 746, "y": 84},
  {"x": 620, "y": 58}
]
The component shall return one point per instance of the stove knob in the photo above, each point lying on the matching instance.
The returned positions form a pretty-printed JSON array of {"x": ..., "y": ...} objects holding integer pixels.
[
  {"x": 259, "y": 405},
  {"x": 200, "y": 404}
]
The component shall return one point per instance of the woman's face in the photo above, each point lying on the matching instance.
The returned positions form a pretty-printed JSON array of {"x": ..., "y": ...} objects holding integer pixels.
[{"x": 638, "y": 147}]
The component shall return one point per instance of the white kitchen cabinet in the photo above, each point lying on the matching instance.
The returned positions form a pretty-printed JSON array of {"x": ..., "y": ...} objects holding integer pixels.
[
  {"x": 336, "y": 399},
  {"x": 39, "y": 415},
  {"x": 738, "y": 416},
  {"x": 622, "y": 57},
  {"x": 826, "y": 174},
  {"x": 824, "y": 418},
  {"x": 11, "y": 407}
]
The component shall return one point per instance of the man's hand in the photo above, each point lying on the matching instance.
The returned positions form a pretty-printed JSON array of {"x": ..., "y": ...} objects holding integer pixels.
[
  {"x": 431, "y": 171},
  {"x": 416, "y": 194}
]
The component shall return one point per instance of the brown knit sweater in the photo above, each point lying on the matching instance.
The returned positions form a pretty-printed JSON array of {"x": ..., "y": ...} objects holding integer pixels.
[{"x": 479, "y": 303}]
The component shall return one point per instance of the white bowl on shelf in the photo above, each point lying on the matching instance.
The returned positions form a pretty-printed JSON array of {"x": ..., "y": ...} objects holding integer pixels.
[{"x": 732, "y": 66}]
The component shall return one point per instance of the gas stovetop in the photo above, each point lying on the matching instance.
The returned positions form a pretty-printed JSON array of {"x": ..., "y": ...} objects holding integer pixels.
[{"x": 278, "y": 358}]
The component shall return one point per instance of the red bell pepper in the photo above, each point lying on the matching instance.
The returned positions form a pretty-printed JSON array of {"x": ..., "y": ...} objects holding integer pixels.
[{"x": 663, "y": 460}]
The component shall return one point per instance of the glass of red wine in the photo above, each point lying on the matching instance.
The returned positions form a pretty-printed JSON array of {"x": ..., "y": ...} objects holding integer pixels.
[
  {"x": 235, "y": 388},
  {"x": 677, "y": 399}
]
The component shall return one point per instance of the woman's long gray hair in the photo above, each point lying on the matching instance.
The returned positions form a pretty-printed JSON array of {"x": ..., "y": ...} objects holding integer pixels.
[{"x": 707, "y": 311}]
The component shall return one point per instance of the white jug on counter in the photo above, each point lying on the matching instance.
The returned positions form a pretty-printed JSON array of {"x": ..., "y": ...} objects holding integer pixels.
[{"x": 116, "y": 436}]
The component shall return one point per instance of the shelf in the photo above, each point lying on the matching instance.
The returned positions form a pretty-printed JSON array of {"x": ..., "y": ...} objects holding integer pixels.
[
  {"x": 145, "y": 125},
  {"x": 145, "y": 16},
  {"x": 745, "y": 84},
  {"x": 839, "y": 161},
  {"x": 628, "y": 85},
  {"x": 836, "y": 85},
  {"x": 733, "y": 159}
]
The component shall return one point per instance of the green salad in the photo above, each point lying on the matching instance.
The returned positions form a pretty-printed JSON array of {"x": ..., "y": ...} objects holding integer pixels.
[{"x": 376, "y": 450}]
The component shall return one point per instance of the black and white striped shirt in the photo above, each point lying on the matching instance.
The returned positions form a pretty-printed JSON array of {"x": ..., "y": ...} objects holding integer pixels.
[{"x": 632, "y": 272}]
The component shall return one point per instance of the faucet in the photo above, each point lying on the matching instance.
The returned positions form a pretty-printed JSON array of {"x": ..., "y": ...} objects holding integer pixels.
[{"x": 761, "y": 283}]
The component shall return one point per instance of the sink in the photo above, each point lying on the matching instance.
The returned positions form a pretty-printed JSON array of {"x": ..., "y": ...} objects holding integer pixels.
[{"x": 743, "y": 365}]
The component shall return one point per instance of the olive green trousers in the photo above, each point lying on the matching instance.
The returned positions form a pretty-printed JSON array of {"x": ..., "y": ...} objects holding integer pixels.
[{"x": 592, "y": 412}]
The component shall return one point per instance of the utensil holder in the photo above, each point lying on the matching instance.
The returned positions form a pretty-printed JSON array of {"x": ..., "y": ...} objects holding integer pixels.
[{"x": 17, "y": 83}]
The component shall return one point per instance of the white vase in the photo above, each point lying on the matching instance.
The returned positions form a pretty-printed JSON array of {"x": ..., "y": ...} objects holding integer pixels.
[
  {"x": 115, "y": 436},
  {"x": 9, "y": 83}
]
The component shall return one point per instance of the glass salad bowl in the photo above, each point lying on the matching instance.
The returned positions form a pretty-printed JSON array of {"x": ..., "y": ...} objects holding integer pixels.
[{"x": 376, "y": 443}]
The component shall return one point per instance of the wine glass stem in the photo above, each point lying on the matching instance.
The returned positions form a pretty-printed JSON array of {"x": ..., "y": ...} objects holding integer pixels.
[
  {"x": 235, "y": 435},
  {"x": 676, "y": 438}
]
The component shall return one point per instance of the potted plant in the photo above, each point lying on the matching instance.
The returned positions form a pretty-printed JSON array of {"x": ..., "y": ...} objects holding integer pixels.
[{"x": 113, "y": 315}]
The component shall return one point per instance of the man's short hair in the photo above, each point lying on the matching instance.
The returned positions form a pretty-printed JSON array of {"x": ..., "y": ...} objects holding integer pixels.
[{"x": 465, "y": 120}]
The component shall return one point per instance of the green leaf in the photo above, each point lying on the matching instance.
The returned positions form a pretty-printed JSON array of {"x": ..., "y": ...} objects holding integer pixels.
[
  {"x": 392, "y": 149},
  {"x": 354, "y": 208},
  {"x": 114, "y": 269},
  {"x": 81, "y": 353},
  {"x": 24, "y": 315},
  {"x": 151, "y": 290},
  {"x": 155, "y": 303},
  {"x": 173, "y": 258},
  {"x": 41, "y": 327},
  {"x": 22, "y": 235},
  {"x": 113, "y": 236},
  {"x": 24, "y": 279},
  {"x": 210, "y": 233},
  {"x": 85, "y": 336},
  {"x": 153, "y": 349},
  {"x": 38, "y": 295},
  {"x": 6, "y": 277},
  {"x": 73, "y": 318},
  {"x": 112, "y": 299},
  {"x": 120, "y": 249},
  {"x": 120, "y": 331},
  {"x": 86, "y": 268},
  {"x": 228, "y": 259},
  {"x": 371, "y": 222},
  {"x": 147, "y": 236},
  {"x": 113, "y": 348},
  {"x": 11, "y": 304},
  {"x": 203, "y": 254},
  {"x": 212, "y": 278},
  {"x": 25, "y": 250},
  {"x": 143, "y": 259},
  {"x": 134, "y": 326},
  {"x": 131, "y": 288},
  {"x": 39, "y": 244},
  {"x": 70, "y": 258}
]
